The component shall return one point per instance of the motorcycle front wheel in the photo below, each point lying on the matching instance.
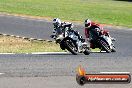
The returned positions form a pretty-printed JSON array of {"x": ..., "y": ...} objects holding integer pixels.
[
  {"x": 71, "y": 46},
  {"x": 87, "y": 51}
]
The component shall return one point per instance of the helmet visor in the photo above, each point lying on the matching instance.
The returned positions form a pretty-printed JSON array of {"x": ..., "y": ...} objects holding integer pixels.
[{"x": 87, "y": 25}]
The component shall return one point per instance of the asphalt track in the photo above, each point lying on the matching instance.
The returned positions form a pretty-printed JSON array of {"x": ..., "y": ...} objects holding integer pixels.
[{"x": 58, "y": 71}]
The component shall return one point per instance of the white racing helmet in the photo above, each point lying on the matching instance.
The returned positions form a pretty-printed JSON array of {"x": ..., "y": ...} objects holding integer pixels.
[
  {"x": 56, "y": 22},
  {"x": 87, "y": 23}
]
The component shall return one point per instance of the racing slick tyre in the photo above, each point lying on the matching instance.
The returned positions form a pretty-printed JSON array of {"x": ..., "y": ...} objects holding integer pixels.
[
  {"x": 113, "y": 49},
  {"x": 104, "y": 45},
  {"x": 87, "y": 51},
  {"x": 70, "y": 45}
]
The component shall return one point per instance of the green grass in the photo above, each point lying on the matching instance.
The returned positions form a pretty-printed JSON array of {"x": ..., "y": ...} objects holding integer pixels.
[
  {"x": 17, "y": 45},
  {"x": 103, "y": 11}
]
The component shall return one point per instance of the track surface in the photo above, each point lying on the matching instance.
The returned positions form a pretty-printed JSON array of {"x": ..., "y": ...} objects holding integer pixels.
[{"x": 58, "y": 71}]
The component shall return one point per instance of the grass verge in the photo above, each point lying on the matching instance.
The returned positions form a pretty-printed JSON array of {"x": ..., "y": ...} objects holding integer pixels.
[
  {"x": 103, "y": 11},
  {"x": 17, "y": 45}
]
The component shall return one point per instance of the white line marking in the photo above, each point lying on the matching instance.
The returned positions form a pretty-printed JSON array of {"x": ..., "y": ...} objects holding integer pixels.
[
  {"x": 115, "y": 72},
  {"x": 5, "y": 34},
  {"x": 37, "y": 53},
  {"x": 12, "y": 35},
  {"x": 40, "y": 39},
  {"x": 7, "y": 53},
  {"x": 2, "y": 73},
  {"x": 32, "y": 38},
  {"x": 98, "y": 51},
  {"x": 50, "y": 53},
  {"x": 46, "y": 53},
  {"x": 18, "y": 36}
]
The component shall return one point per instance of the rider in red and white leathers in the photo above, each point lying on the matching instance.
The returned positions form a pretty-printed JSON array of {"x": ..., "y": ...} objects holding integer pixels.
[{"x": 93, "y": 31}]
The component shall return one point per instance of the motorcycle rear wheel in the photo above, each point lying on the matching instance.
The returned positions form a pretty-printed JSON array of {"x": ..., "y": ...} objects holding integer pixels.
[
  {"x": 113, "y": 49},
  {"x": 105, "y": 46}
]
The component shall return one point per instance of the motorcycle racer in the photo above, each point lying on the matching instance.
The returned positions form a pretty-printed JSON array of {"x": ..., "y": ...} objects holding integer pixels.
[
  {"x": 93, "y": 31},
  {"x": 60, "y": 27}
]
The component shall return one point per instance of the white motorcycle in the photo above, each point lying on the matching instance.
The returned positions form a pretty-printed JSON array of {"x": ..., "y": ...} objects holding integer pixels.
[
  {"x": 106, "y": 44},
  {"x": 70, "y": 41}
]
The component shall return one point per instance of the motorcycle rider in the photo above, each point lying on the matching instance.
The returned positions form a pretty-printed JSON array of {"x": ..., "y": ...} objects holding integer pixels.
[
  {"x": 93, "y": 31},
  {"x": 60, "y": 27}
]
